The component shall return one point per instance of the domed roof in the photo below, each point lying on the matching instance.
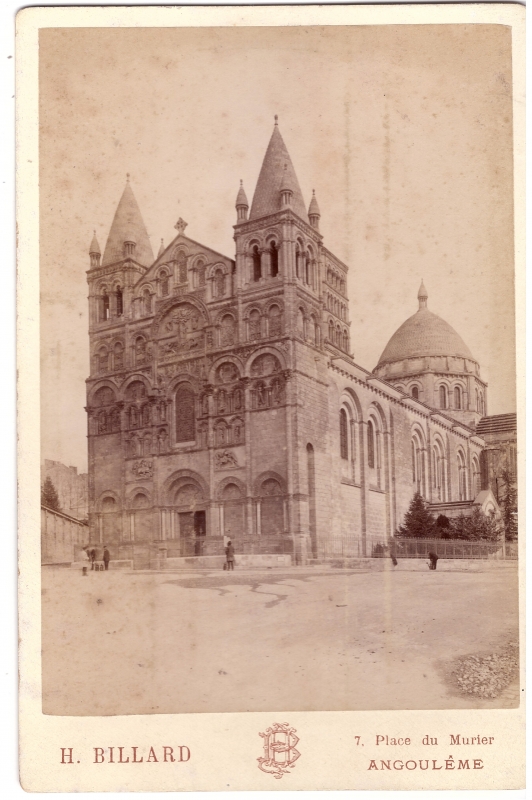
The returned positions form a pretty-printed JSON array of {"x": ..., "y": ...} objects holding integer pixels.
[{"x": 424, "y": 334}]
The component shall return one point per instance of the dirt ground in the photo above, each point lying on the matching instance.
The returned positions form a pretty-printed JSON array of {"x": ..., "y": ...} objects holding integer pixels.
[{"x": 254, "y": 640}]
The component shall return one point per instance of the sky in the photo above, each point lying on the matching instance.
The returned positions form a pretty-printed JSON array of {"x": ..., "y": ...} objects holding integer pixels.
[{"x": 405, "y": 133}]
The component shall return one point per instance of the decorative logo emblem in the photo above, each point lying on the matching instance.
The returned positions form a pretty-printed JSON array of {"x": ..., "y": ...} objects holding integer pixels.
[{"x": 280, "y": 752}]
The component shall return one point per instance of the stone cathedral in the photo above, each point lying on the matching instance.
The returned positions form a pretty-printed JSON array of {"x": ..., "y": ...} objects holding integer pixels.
[{"x": 224, "y": 399}]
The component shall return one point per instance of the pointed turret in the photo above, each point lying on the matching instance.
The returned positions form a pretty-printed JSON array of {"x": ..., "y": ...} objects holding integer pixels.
[
  {"x": 95, "y": 252},
  {"x": 128, "y": 235},
  {"x": 161, "y": 249},
  {"x": 241, "y": 204},
  {"x": 422, "y": 296},
  {"x": 314, "y": 212},
  {"x": 286, "y": 189},
  {"x": 267, "y": 198}
]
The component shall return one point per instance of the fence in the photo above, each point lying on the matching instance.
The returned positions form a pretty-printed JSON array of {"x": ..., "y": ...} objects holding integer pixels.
[
  {"x": 246, "y": 545},
  {"x": 343, "y": 547}
]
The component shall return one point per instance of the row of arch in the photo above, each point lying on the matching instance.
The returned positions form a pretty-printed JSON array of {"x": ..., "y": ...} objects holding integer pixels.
[
  {"x": 451, "y": 397},
  {"x": 335, "y": 280},
  {"x": 432, "y": 475},
  {"x": 338, "y": 336},
  {"x": 440, "y": 487},
  {"x": 188, "y": 512},
  {"x": 336, "y": 307}
]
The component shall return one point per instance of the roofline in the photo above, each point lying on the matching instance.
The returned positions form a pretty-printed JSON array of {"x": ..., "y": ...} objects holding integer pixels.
[{"x": 199, "y": 244}]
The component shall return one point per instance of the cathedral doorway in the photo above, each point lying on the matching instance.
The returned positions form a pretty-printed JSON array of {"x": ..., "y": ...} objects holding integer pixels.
[{"x": 189, "y": 503}]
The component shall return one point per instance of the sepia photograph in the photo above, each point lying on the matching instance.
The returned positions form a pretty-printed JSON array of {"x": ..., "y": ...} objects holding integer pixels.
[{"x": 278, "y": 369}]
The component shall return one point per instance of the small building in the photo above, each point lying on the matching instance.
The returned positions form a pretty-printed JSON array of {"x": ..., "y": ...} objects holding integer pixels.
[{"x": 62, "y": 536}]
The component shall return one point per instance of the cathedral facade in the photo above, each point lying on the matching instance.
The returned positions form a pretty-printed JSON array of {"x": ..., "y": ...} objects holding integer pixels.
[{"x": 224, "y": 399}]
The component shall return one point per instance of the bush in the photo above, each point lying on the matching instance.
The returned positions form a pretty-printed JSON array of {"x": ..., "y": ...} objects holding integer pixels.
[{"x": 475, "y": 527}]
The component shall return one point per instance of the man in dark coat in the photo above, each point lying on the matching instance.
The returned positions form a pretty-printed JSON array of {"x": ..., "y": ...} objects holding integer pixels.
[
  {"x": 92, "y": 556},
  {"x": 106, "y": 557},
  {"x": 230, "y": 556},
  {"x": 433, "y": 560}
]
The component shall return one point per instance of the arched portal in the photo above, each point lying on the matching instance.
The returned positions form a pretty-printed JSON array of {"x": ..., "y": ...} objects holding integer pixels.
[{"x": 272, "y": 508}]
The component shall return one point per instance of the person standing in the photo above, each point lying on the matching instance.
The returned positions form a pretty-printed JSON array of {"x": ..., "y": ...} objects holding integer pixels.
[
  {"x": 85, "y": 558},
  {"x": 92, "y": 556},
  {"x": 433, "y": 560},
  {"x": 230, "y": 555},
  {"x": 106, "y": 557}
]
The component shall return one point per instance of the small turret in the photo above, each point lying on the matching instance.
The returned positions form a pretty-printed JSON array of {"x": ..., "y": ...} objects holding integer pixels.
[
  {"x": 286, "y": 189},
  {"x": 95, "y": 252},
  {"x": 161, "y": 249},
  {"x": 130, "y": 243},
  {"x": 422, "y": 296},
  {"x": 314, "y": 212},
  {"x": 241, "y": 204}
]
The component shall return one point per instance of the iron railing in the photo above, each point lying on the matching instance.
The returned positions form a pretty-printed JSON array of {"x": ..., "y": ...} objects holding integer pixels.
[{"x": 346, "y": 547}]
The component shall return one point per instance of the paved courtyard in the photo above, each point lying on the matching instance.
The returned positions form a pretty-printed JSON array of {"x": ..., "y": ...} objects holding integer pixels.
[{"x": 294, "y": 639}]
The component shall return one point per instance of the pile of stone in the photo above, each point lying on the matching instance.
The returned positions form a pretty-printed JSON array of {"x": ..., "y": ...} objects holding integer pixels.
[{"x": 488, "y": 676}]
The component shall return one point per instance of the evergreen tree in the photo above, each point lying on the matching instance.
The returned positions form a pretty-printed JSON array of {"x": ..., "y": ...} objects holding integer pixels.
[
  {"x": 509, "y": 506},
  {"x": 443, "y": 527},
  {"x": 418, "y": 522},
  {"x": 49, "y": 496},
  {"x": 475, "y": 527}
]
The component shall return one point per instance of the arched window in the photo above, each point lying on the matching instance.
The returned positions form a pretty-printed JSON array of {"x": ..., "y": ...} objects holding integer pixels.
[
  {"x": 300, "y": 323},
  {"x": 146, "y": 301},
  {"x": 105, "y": 312},
  {"x": 475, "y": 482},
  {"x": 443, "y": 396},
  {"x": 275, "y": 321},
  {"x": 185, "y": 411},
  {"x": 274, "y": 260},
  {"x": 371, "y": 445},
  {"x": 219, "y": 283},
  {"x": 338, "y": 341},
  {"x": 298, "y": 262},
  {"x": 415, "y": 392},
  {"x": 482, "y": 411},
  {"x": 345, "y": 342},
  {"x": 257, "y": 272},
  {"x": 164, "y": 284},
  {"x": 146, "y": 415},
  {"x": 227, "y": 330},
  {"x": 254, "y": 325},
  {"x": 438, "y": 473},
  {"x": 201, "y": 273},
  {"x": 462, "y": 478},
  {"x": 102, "y": 359},
  {"x": 457, "y": 397},
  {"x": 344, "y": 444},
  {"x": 307, "y": 269},
  {"x": 418, "y": 465},
  {"x": 182, "y": 267},
  {"x": 118, "y": 355},
  {"x": 331, "y": 331},
  {"x": 238, "y": 431},
  {"x": 477, "y": 403},
  {"x": 119, "y": 302},
  {"x": 140, "y": 350}
]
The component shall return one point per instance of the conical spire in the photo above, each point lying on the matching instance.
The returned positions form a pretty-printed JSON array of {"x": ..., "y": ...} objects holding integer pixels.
[
  {"x": 422, "y": 296},
  {"x": 94, "y": 249},
  {"x": 241, "y": 199},
  {"x": 128, "y": 222},
  {"x": 314, "y": 209},
  {"x": 267, "y": 197},
  {"x": 161, "y": 249}
]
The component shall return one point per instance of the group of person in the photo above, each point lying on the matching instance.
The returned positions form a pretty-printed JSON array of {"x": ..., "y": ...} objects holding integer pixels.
[{"x": 92, "y": 556}]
